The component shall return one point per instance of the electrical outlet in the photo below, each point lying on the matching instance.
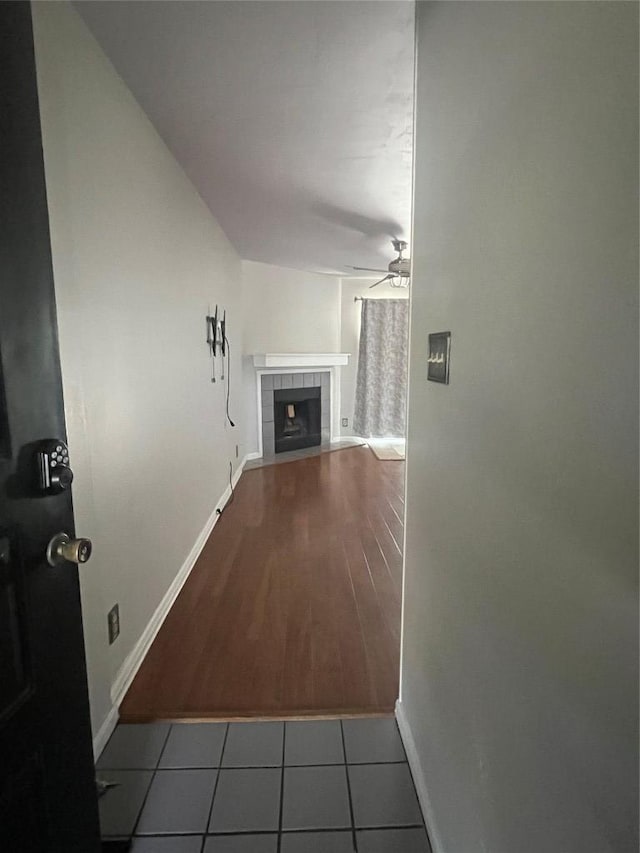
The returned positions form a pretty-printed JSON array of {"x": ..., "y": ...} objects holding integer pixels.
[
  {"x": 345, "y": 422},
  {"x": 237, "y": 451},
  {"x": 113, "y": 623}
]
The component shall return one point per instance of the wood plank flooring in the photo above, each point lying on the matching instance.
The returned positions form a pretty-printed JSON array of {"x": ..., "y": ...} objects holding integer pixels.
[{"x": 293, "y": 608}]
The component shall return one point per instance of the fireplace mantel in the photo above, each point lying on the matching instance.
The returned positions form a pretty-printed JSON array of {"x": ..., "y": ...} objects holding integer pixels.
[{"x": 289, "y": 360}]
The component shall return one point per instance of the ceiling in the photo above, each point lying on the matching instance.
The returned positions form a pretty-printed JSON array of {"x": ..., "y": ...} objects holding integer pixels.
[{"x": 293, "y": 119}]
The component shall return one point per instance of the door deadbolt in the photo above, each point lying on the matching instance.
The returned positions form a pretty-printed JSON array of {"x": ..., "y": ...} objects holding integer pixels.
[
  {"x": 54, "y": 473},
  {"x": 62, "y": 549}
]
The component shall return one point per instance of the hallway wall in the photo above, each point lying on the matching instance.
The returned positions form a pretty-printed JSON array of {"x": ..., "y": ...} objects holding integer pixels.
[
  {"x": 137, "y": 260},
  {"x": 520, "y": 668}
]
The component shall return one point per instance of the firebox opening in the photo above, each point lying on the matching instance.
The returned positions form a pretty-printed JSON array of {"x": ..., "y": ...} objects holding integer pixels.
[{"x": 297, "y": 418}]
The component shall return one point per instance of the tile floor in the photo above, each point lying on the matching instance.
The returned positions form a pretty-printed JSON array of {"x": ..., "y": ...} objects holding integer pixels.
[{"x": 331, "y": 786}]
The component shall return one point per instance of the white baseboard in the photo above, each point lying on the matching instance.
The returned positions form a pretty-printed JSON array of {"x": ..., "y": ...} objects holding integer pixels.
[
  {"x": 387, "y": 440},
  {"x": 134, "y": 659},
  {"x": 254, "y": 455},
  {"x": 104, "y": 732},
  {"x": 419, "y": 779}
]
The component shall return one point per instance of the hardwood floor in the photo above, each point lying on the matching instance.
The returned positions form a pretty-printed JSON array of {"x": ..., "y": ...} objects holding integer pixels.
[{"x": 293, "y": 607}]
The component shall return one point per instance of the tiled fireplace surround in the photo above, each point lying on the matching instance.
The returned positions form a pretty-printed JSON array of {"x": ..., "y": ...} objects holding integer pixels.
[{"x": 271, "y": 382}]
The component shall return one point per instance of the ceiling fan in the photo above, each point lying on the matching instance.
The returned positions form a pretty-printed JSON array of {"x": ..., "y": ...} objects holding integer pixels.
[{"x": 399, "y": 270}]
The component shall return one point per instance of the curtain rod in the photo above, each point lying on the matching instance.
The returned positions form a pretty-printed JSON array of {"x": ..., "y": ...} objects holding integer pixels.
[{"x": 373, "y": 298}]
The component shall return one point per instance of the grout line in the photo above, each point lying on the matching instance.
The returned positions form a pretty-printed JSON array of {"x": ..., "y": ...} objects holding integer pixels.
[
  {"x": 317, "y": 830},
  {"x": 284, "y": 743},
  {"x": 215, "y": 788},
  {"x": 354, "y": 840},
  {"x": 249, "y": 766},
  {"x": 146, "y": 796}
]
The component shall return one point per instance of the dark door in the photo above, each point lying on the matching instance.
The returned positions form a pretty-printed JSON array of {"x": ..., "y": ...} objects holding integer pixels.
[{"x": 47, "y": 789}]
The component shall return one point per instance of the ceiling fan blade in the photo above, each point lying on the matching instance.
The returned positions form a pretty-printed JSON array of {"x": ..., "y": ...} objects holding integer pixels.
[
  {"x": 368, "y": 269},
  {"x": 386, "y": 278}
]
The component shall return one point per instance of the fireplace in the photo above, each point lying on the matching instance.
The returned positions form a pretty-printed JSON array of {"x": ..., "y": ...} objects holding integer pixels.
[
  {"x": 297, "y": 418},
  {"x": 306, "y": 384}
]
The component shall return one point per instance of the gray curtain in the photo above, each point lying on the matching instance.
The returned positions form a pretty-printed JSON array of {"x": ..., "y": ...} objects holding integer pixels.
[{"x": 381, "y": 386}]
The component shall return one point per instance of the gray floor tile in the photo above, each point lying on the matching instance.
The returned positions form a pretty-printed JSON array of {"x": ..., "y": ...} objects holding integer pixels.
[
  {"x": 313, "y": 742},
  {"x": 168, "y": 844},
  {"x": 393, "y": 841},
  {"x": 134, "y": 747},
  {"x": 120, "y": 806},
  {"x": 253, "y": 745},
  {"x": 194, "y": 745},
  {"x": 246, "y": 801},
  {"x": 383, "y": 795},
  {"x": 178, "y": 801},
  {"x": 315, "y": 798},
  {"x": 241, "y": 844},
  {"x": 372, "y": 741},
  {"x": 317, "y": 842}
]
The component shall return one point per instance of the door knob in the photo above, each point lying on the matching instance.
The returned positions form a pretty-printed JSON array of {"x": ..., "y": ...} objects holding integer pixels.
[{"x": 62, "y": 549}]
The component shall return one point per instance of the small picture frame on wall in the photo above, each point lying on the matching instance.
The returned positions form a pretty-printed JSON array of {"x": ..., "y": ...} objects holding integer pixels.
[{"x": 438, "y": 361}]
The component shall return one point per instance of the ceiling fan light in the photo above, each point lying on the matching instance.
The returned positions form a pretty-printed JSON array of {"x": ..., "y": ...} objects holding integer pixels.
[{"x": 400, "y": 281}]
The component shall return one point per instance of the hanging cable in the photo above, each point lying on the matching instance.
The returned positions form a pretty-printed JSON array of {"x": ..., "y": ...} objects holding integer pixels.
[
  {"x": 226, "y": 340},
  {"x": 233, "y": 494},
  {"x": 231, "y": 489}
]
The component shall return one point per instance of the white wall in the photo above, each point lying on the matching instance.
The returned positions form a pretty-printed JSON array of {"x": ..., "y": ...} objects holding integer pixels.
[
  {"x": 137, "y": 260},
  {"x": 285, "y": 311},
  {"x": 350, "y": 313},
  {"x": 519, "y": 667}
]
